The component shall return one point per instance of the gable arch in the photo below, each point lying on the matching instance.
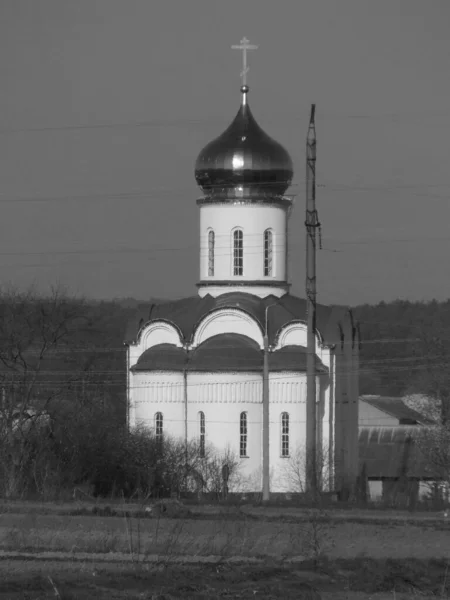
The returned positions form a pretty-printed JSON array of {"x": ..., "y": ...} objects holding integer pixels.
[
  {"x": 295, "y": 334},
  {"x": 159, "y": 332},
  {"x": 227, "y": 320}
]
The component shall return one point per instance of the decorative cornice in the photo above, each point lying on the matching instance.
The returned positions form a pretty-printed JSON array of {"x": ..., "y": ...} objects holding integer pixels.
[
  {"x": 277, "y": 201},
  {"x": 243, "y": 283}
]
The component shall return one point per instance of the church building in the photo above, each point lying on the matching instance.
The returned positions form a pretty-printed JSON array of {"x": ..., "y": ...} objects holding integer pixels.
[{"x": 195, "y": 365}]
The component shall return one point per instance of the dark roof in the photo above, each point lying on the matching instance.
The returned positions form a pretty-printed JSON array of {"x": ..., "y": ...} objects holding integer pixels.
[
  {"x": 188, "y": 312},
  {"x": 397, "y": 409},
  {"x": 391, "y": 452},
  {"x": 292, "y": 358},
  {"x": 163, "y": 357},
  {"x": 226, "y": 352}
]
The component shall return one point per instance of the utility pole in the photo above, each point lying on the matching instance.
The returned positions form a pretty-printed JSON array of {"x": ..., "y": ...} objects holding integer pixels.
[
  {"x": 311, "y": 223},
  {"x": 266, "y": 414},
  {"x": 265, "y": 440}
]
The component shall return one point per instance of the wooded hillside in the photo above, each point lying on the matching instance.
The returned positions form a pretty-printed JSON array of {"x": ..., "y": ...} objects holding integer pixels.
[{"x": 405, "y": 347}]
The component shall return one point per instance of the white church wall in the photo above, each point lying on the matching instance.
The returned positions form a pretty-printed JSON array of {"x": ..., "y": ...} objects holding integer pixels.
[
  {"x": 296, "y": 334},
  {"x": 287, "y": 392},
  {"x": 253, "y": 219},
  {"x": 222, "y": 397},
  {"x": 323, "y": 424},
  {"x": 157, "y": 332},
  {"x": 227, "y": 320},
  {"x": 159, "y": 391}
]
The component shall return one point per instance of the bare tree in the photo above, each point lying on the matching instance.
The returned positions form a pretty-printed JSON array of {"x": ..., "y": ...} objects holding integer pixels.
[
  {"x": 217, "y": 471},
  {"x": 35, "y": 342},
  {"x": 431, "y": 376},
  {"x": 292, "y": 474}
]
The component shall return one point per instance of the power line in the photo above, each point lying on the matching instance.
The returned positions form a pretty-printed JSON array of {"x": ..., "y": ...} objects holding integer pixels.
[{"x": 216, "y": 120}]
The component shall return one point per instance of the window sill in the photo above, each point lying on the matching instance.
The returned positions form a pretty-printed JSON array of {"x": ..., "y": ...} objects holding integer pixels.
[
  {"x": 246, "y": 456},
  {"x": 288, "y": 456}
]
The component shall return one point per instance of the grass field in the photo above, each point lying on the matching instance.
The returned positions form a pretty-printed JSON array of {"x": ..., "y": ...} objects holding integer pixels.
[{"x": 248, "y": 552}]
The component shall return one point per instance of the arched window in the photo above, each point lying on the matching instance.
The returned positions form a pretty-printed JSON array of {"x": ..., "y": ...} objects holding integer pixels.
[
  {"x": 238, "y": 252},
  {"x": 268, "y": 253},
  {"x": 202, "y": 433},
  {"x": 159, "y": 426},
  {"x": 211, "y": 243},
  {"x": 243, "y": 434},
  {"x": 285, "y": 434}
]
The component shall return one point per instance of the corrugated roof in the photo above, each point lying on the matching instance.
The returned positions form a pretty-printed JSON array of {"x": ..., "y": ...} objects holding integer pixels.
[
  {"x": 392, "y": 452},
  {"x": 395, "y": 407},
  {"x": 188, "y": 312}
]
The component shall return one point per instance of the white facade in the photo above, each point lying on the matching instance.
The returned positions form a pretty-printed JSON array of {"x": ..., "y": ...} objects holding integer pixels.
[
  {"x": 243, "y": 252},
  {"x": 223, "y": 397},
  {"x": 218, "y": 222}
]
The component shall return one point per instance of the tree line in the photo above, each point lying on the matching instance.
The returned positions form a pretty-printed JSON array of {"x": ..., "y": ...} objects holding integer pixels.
[{"x": 63, "y": 393}]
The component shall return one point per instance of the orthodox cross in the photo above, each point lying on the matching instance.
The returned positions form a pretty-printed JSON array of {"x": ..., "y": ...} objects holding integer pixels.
[{"x": 244, "y": 46}]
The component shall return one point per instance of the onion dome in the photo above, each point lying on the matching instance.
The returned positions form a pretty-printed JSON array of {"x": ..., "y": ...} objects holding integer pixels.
[{"x": 244, "y": 162}]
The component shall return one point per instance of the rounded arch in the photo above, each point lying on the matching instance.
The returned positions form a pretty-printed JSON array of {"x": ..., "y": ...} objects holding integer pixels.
[
  {"x": 237, "y": 252},
  {"x": 285, "y": 434},
  {"x": 243, "y": 434},
  {"x": 201, "y": 433},
  {"x": 295, "y": 333},
  {"x": 211, "y": 237},
  {"x": 268, "y": 252},
  {"x": 227, "y": 320},
  {"x": 159, "y": 332},
  {"x": 159, "y": 425}
]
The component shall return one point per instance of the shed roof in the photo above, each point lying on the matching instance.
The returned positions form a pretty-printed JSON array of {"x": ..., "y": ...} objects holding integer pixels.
[{"x": 395, "y": 407}]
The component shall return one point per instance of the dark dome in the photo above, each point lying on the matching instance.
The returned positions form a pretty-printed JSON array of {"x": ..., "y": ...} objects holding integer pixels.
[
  {"x": 162, "y": 357},
  {"x": 244, "y": 162},
  {"x": 292, "y": 358},
  {"x": 227, "y": 352}
]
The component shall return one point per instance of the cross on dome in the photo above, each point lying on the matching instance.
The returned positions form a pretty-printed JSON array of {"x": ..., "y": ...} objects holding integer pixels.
[{"x": 244, "y": 46}]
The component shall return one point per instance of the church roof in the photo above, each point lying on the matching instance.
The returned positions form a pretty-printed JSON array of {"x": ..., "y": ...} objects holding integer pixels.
[
  {"x": 244, "y": 162},
  {"x": 187, "y": 313},
  {"x": 163, "y": 357},
  {"x": 223, "y": 353},
  {"x": 292, "y": 358},
  {"x": 226, "y": 352}
]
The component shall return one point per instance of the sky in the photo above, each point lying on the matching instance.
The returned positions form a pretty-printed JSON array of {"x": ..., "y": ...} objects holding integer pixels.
[{"x": 105, "y": 105}]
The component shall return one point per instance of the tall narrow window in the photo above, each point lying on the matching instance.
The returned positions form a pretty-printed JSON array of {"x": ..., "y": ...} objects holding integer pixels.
[
  {"x": 268, "y": 253},
  {"x": 211, "y": 243},
  {"x": 243, "y": 434},
  {"x": 159, "y": 426},
  {"x": 238, "y": 252},
  {"x": 202, "y": 433},
  {"x": 284, "y": 434}
]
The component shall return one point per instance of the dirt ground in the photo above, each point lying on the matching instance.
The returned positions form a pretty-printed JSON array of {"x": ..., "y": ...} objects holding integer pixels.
[
  {"x": 226, "y": 537},
  {"x": 86, "y": 580},
  {"x": 285, "y": 553}
]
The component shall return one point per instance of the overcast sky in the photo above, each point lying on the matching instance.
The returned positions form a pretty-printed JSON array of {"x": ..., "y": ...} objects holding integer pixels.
[{"x": 105, "y": 105}]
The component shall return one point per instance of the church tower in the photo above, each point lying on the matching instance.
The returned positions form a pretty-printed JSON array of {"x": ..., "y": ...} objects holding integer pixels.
[
  {"x": 244, "y": 175},
  {"x": 200, "y": 367}
]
